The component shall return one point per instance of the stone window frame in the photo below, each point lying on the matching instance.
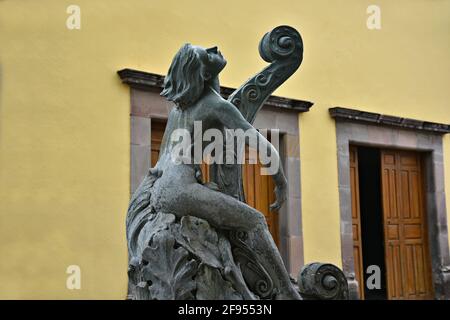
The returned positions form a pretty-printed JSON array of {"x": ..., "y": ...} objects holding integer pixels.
[
  {"x": 277, "y": 113},
  {"x": 355, "y": 127}
]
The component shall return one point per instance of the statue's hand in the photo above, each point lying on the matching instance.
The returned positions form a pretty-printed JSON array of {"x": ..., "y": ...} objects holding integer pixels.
[{"x": 280, "y": 193}]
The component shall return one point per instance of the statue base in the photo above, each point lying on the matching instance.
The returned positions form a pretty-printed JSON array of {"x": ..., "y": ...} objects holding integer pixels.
[{"x": 189, "y": 259}]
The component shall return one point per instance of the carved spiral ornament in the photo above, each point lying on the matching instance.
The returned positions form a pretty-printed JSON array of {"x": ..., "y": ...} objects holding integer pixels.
[
  {"x": 256, "y": 276},
  {"x": 280, "y": 43},
  {"x": 236, "y": 102},
  {"x": 251, "y": 92},
  {"x": 264, "y": 288},
  {"x": 262, "y": 79},
  {"x": 322, "y": 281},
  {"x": 241, "y": 235}
]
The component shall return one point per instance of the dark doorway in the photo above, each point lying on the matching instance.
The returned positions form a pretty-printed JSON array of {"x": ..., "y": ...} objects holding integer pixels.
[{"x": 371, "y": 219}]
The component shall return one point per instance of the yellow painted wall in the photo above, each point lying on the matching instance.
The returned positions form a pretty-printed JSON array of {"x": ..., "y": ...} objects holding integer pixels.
[
  {"x": 64, "y": 115},
  {"x": 402, "y": 69}
]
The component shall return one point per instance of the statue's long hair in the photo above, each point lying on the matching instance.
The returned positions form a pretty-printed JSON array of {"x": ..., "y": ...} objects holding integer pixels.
[{"x": 184, "y": 83}]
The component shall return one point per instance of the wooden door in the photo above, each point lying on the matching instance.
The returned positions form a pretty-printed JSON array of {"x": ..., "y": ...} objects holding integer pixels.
[
  {"x": 407, "y": 256},
  {"x": 258, "y": 188},
  {"x": 157, "y": 133},
  {"x": 356, "y": 220}
]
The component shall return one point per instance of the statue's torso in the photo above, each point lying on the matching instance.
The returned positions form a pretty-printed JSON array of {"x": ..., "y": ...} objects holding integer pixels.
[{"x": 194, "y": 120}]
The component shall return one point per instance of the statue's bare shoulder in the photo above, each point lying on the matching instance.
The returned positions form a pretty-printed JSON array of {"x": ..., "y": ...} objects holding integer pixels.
[{"x": 224, "y": 111}]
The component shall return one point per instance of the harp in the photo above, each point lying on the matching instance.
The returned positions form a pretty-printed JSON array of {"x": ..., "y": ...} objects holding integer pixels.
[{"x": 283, "y": 49}]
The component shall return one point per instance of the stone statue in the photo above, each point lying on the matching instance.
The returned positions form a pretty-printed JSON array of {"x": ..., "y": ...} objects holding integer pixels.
[{"x": 189, "y": 240}]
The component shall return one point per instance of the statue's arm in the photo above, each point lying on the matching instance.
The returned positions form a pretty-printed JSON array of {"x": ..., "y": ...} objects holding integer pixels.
[{"x": 231, "y": 118}]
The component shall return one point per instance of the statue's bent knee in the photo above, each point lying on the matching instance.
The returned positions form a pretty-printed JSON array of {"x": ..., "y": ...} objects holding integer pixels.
[{"x": 258, "y": 220}]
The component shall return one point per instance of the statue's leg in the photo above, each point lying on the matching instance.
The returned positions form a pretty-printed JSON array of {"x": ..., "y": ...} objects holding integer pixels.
[{"x": 223, "y": 211}]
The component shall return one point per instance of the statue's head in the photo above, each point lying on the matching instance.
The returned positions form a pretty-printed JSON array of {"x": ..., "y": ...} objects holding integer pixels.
[{"x": 191, "y": 68}]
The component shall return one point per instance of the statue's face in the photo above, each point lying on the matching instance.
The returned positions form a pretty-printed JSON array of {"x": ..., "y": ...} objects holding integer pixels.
[{"x": 213, "y": 61}]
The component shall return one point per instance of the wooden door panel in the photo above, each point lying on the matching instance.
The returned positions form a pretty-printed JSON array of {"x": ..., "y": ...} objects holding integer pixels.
[
  {"x": 394, "y": 264},
  {"x": 205, "y": 172},
  {"x": 390, "y": 189},
  {"x": 416, "y": 283},
  {"x": 407, "y": 256},
  {"x": 357, "y": 256},
  {"x": 404, "y": 194},
  {"x": 258, "y": 190},
  {"x": 356, "y": 220},
  {"x": 414, "y": 182},
  {"x": 157, "y": 132}
]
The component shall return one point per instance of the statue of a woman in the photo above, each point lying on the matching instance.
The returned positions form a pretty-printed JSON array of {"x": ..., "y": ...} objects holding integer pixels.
[{"x": 172, "y": 187}]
